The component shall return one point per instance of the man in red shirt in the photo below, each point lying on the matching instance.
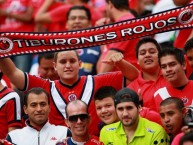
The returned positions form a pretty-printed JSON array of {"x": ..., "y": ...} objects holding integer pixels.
[
  {"x": 117, "y": 11},
  {"x": 150, "y": 78},
  {"x": 10, "y": 110},
  {"x": 172, "y": 113},
  {"x": 173, "y": 67},
  {"x": 69, "y": 87},
  {"x": 59, "y": 14}
]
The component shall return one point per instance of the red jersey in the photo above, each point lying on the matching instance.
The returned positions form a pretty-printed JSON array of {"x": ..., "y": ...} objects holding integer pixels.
[
  {"x": 165, "y": 92},
  {"x": 126, "y": 47},
  {"x": 146, "y": 89},
  {"x": 60, "y": 15},
  {"x": 5, "y": 81},
  {"x": 10, "y": 111},
  {"x": 150, "y": 115},
  {"x": 16, "y": 7},
  {"x": 83, "y": 89}
]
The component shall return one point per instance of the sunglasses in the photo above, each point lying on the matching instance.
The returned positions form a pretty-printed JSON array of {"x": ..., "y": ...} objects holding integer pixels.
[{"x": 74, "y": 118}]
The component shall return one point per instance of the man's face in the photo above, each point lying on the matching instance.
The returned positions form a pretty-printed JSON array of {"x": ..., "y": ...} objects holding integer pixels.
[
  {"x": 127, "y": 113},
  {"x": 189, "y": 54},
  {"x": 37, "y": 109},
  {"x": 148, "y": 57},
  {"x": 79, "y": 128},
  {"x": 172, "y": 118},
  {"x": 172, "y": 70},
  {"x": 106, "y": 111},
  {"x": 46, "y": 69},
  {"x": 67, "y": 66},
  {"x": 77, "y": 19}
]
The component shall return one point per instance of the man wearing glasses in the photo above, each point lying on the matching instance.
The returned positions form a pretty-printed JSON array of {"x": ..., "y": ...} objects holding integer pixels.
[{"x": 78, "y": 121}]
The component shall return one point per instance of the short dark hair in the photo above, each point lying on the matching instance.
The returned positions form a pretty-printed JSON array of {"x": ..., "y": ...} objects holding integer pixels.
[
  {"x": 104, "y": 92},
  {"x": 75, "y": 102},
  {"x": 56, "y": 55},
  {"x": 88, "y": 14},
  {"x": 36, "y": 91},
  {"x": 144, "y": 41},
  {"x": 178, "y": 102},
  {"x": 119, "y": 4},
  {"x": 188, "y": 45},
  {"x": 187, "y": 137},
  {"x": 177, "y": 53},
  {"x": 46, "y": 56}
]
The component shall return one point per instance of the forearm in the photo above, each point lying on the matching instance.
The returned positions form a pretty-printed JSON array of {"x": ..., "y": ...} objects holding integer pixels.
[
  {"x": 15, "y": 75},
  {"x": 25, "y": 17},
  {"x": 42, "y": 15},
  {"x": 128, "y": 70}
]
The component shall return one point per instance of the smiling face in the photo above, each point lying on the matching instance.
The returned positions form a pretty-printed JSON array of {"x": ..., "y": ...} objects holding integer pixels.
[
  {"x": 67, "y": 66},
  {"x": 172, "y": 118},
  {"x": 37, "y": 109},
  {"x": 148, "y": 57},
  {"x": 78, "y": 128},
  {"x": 77, "y": 19},
  {"x": 106, "y": 111},
  {"x": 172, "y": 70},
  {"x": 128, "y": 113}
]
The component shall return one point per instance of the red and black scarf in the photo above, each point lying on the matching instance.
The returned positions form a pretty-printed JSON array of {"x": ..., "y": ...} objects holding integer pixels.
[{"x": 30, "y": 43}]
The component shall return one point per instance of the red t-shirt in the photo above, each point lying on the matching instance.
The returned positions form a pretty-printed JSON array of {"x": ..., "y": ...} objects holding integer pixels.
[
  {"x": 60, "y": 15},
  {"x": 126, "y": 47},
  {"x": 16, "y": 7},
  {"x": 83, "y": 89},
  {"x": 146, "y": 89},
  {"x": 150, "y": 115},
  {"x": 10, "y": 111},
  {"x": 165, "y": 92}
]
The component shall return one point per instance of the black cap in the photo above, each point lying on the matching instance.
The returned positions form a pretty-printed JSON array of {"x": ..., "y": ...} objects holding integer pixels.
[{"x": 126, "y": 95}]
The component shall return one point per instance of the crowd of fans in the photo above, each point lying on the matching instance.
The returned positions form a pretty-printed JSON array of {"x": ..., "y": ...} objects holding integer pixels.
[{"x": 132, "y": 92}]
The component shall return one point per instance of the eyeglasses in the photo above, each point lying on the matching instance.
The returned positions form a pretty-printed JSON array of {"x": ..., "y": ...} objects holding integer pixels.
[
  {"x": 72, "y": 18},
  {"x": 74, "y": 118}
]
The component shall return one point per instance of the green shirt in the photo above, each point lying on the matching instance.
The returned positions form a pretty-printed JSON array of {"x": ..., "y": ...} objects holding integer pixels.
[{"x": 147, "y": 133}]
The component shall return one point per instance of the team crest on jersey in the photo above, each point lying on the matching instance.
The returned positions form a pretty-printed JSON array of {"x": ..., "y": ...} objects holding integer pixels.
[
  {"x": 185, "y": 16},
  {"x": 72, "y": 97},
  {"x": 80, "y": 52},
  {"x": 185, "y": 100}
]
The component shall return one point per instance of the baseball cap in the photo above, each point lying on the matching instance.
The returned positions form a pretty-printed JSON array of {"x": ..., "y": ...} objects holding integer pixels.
[{"x": 126, "y": 95}]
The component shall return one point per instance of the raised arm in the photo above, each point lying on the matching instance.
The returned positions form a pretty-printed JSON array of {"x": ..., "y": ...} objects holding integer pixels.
[
  {"x": 42, "y": 15},
  {"x": 128, "y": 70},
  {"x": 15, "y": 75}
]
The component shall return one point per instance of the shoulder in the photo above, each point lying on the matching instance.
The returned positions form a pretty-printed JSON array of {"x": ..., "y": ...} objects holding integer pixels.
[
  {"x": 58, "y": 127},
  {"x": 151, "y": 126},
  {"x": 18, "y": 132}
]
